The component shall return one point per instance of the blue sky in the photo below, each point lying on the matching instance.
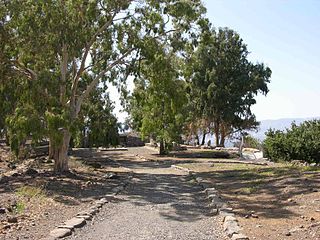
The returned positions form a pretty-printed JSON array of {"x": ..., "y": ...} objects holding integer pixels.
[{"x": 286, "y": 36}]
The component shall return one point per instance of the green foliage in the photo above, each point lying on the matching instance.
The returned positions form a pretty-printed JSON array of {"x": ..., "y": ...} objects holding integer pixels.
[
  {"x": 62, "y": 50},
  {"x": 223, "y": 83},
  {"x": 19, "y": 207},
  {"x": 30, "y": 192},
  {"x": 24, "y": 124},
  {"x": 297, "y": 143},
  {"x": 98, "y": 127},
  {"x": 156, "y": 106},
  {"x": 251, "y": 142}
]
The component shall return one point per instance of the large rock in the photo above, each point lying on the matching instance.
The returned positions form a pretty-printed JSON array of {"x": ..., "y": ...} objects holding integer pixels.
[
  {"x": 60, "y": 233},
  {"x": 231, "y": 228},
  {"x": 239, "y": 237},
  {"x": 74, "y": 223}
]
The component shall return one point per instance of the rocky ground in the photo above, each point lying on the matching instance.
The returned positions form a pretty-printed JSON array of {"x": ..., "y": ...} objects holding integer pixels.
[
  {"x": 33, "y": 200},
  {"x": 270, "y": 202},
  {"x": 161, "y": 202}
]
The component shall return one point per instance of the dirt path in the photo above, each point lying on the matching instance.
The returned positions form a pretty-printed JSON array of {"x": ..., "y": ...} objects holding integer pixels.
[{"x": 160, "y": 203}]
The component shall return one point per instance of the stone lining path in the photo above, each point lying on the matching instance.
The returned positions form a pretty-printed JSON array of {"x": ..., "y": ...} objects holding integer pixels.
[{"x": 160, "y": 203}]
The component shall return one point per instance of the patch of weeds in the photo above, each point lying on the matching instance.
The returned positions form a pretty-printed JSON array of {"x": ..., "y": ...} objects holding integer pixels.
[
  {"x": 248, "y": 175},
  {"x": 19, "y": 207},
  {"x": 253, "y": 187},
  {"x": 249, "y": 190},
  {"x": 30, "y": 192},
  {"x": 311, "y": 169},
  {"x": 267, "y": 173}
]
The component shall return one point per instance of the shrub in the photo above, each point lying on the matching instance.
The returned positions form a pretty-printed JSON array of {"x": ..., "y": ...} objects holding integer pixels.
[{"x": 300, "y": 142}]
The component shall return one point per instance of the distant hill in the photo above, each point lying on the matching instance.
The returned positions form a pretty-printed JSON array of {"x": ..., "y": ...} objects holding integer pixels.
[{"x": 278, "y": 124}]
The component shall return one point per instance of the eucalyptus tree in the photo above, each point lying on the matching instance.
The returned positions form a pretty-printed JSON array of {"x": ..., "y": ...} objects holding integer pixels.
[
  {"x": 157, "y": 103},
  {"x": 58, "y": 42},
  {"x": 223, "y": 83}
]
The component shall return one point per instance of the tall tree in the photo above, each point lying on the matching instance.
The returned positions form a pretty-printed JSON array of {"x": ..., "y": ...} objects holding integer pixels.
[
  {"x": 158, "y": 99},
  {"x": 59, "y": 42},
  {"x": 223, "y": 83}
]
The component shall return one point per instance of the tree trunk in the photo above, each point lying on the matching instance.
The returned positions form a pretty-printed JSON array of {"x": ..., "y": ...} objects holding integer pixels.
[
  {"x": 223, "y": 135},
  {"x": 197, "y": 140},
  {"x": 61, "y": 154},
  {"x": 222, "y": 141},
  {"x": 203, "y": 138},
  {"x": 161, "y": 149},
  {"x": 216, "y": 133},
  {"x": 7, "y": 140}
]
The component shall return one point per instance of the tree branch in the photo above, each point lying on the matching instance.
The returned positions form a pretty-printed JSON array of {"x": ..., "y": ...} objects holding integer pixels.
[
  {"x": 27, "y": 71},
  {"x": 64, "y": 65},
  {"x": 85, "y": 55},
  {"x": 96, "y": 80}
]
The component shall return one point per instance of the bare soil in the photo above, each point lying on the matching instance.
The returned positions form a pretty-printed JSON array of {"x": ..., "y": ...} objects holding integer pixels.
[
  {"x": 271, "y": 202},
  {"x": 35, "y": 203}
]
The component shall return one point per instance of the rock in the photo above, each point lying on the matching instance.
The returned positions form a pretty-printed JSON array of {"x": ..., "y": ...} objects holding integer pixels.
[
  {"x": 199, "y": 179},
  {"x": 74, "y": 223},
  {"x": 31, "y": 172},
  {"x": 259, "y": 226},
  {"x": 86, "y": 217},
  {"x": 231, "y": 227},
  {"x": 254, "y": 216},
  {"x": 312, "y": 219},
  {"x": 226, "y": 209},
  {"x": 60, "y": 233},
  {"x": 239, "y": 236},
  {"x": 93, "y": 210},
  {"x": 223, "y": 213},
  {"x": 103, "y": 200},
  {"x": 288, "y": 234},
  {"x": 11, "y": 165},
  {"x": 2, "y": 210},
  {"x": 313, "y": 164},
  {"x": 111, "y": 176},
  {"x": 214, "y": 211},
  {"x": 212, "y": 197},
  {"x": 209, "y": 190},
  {"x": 15, "y": 174},
  {"x": 230, "y": 218}
]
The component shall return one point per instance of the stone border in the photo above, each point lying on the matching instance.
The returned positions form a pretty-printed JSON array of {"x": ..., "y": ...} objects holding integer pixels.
[
  {"x": 218, "y": 206},
  {"x": 81, "y": 218}
]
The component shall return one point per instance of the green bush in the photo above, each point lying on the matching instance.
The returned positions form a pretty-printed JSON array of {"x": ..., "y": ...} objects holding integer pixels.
[{"x": 300, "y": 142}]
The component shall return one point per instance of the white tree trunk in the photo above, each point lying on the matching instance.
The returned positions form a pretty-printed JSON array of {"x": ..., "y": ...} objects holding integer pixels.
[{"x": 61, "y": 154}]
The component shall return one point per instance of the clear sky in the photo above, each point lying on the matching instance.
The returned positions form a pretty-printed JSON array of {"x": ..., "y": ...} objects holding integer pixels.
[{"x": 284, "y": 34}]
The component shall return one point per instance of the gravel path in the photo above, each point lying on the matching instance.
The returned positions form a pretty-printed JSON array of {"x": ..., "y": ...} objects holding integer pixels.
[{"x": 160, "y": 203}]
